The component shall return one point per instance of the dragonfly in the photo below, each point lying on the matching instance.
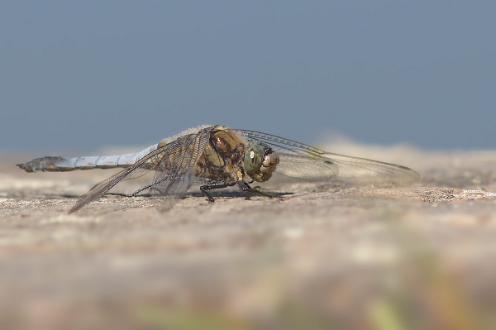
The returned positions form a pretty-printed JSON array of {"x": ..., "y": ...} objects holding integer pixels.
[{"x": 216, "y": 157}]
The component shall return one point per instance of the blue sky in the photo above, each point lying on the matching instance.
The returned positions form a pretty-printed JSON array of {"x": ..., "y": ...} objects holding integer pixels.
[{"x": 84, "y": 74}]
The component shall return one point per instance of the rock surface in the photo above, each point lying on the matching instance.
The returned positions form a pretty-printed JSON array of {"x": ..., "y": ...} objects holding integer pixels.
[{"x": 325, "y": 255}]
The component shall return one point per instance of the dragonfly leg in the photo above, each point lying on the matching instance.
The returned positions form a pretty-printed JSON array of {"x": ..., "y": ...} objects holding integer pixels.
[
  {"x": 247, "y": 188},
  {"x": 205, "y": 188}
]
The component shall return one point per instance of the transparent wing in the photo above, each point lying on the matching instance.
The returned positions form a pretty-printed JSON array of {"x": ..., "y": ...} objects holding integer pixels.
[
  {"x": 172, "y": 167},
  {"x": 299, "y": 166},
  {"x": 302, "y": 160},
  {"x": 134, "y": 183},
  {"x": 174, "y": 171}
]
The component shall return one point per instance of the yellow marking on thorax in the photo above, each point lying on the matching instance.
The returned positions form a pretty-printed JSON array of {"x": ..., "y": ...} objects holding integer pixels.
[
  {"x": 232, "y": 147},
  {"x": 212, "y": 157},
  {"x": 227, "y": 140}
]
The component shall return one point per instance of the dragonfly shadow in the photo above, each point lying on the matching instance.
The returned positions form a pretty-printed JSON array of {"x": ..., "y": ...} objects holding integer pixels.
[
  {"x": 237, "y": 194},
  {"x": 217, "y": 194}
]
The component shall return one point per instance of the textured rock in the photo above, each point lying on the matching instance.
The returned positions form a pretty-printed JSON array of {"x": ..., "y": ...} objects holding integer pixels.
[{"x": 327, "y": 255}]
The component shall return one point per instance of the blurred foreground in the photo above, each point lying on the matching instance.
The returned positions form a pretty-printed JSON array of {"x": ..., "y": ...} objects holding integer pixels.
[{"x": 327, "y": 256}]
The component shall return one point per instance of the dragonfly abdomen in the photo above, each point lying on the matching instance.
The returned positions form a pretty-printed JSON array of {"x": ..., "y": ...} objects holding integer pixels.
[{"x": 60, "y": 164}]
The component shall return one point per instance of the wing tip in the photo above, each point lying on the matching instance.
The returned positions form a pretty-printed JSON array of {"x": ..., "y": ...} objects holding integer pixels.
[
  {"x": 80, "y": 203},
  {"x": 407, "y": 176},
  {"x": 75, "y": 208}
]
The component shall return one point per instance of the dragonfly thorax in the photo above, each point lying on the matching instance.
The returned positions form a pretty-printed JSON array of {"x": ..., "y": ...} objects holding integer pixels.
[{"x": 260, "y": 162}]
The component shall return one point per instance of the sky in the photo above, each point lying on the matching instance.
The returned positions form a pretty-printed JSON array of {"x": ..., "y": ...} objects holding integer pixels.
[{"x": 80, "y": 75}]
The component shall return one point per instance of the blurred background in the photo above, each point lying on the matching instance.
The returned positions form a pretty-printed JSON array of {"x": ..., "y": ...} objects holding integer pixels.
[
  {"x": 409, "y": 82},
  {"x": 82, "y": 75}
]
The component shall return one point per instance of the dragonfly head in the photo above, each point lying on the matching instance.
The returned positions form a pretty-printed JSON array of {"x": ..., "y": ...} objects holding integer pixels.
[{"x": 260, "y": 162}]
